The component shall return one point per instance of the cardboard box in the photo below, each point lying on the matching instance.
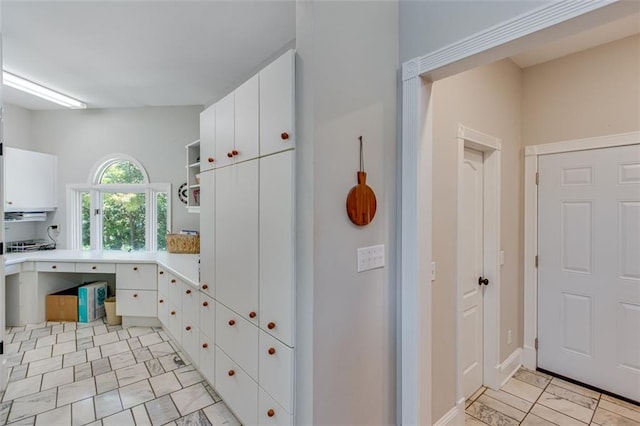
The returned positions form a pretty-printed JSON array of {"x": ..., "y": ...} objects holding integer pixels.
[
  {"x": 63, "y": 305},
  {"x": 91, "y": 298}
]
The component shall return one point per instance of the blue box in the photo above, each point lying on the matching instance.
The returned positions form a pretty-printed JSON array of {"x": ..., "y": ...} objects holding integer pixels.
[{"x": 91, "y": 301}]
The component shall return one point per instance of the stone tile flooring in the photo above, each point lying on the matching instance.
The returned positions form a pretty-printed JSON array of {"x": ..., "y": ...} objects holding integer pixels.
[
  {"x": 535, "y": 398},
  {"x": 76, "y": 374}
]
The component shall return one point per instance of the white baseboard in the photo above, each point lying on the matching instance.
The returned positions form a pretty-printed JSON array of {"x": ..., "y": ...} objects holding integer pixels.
[
  {"x": 530, "y": 357},
  {"x": 454, "y": 417},
  {"x": 140, "y": 322},
  {"x": 509, "y": 366}
]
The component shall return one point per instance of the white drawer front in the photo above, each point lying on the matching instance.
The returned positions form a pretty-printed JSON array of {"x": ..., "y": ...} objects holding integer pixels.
[
  {"x": 236, "y": 388},
  {"x": 136, "y": 303},
  {"x": 238, "y": 338},
  {"x": 55, "y": 267},
  {"x": 276, "y": 370},
  {"x": 190, "y": 302},
  {"x": 163, "y": 281},
  {"x": 175, "y": 291},
  {"x": 270, "y": 412},
  {"x": 136, "y": 276},
  {"x": 163, "y": 309},
  {"x": 207, "y": 358},
  {"x": 207, "y": 316},
  {"x": 191, "y": 340},
  {"x": 175, "y": 323},
  {"x": 96, "y": 268}
]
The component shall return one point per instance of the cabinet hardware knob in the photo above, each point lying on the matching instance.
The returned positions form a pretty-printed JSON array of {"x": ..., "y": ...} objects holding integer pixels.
[
  {"x": 230, "y": 155},
  {"x": 232, "y": 322},
  {"x": 94, "y": 267},
  {"x": 234, "y": 152},
  {"x": 135, "y": 268},
  {"x": 54, "y": 267},
  {"x": 135, "y": 294},
  {"x": 205, "y": 345},
  {"x": 210, "y": 159},
  {"x": 252, "y": 314},
  {"x": 188, "y": 328},
  {"x": 188, "y": 291},
  {"x": 484, "y": 281},
  {"x": 205, "y": 303},
  {"x": 272, "y": 351},
  {"x": 205, "y": 286},
  {"x": 284, "y": 136},
  {"x": 231, "y": 373},
  {"x": 9, "y": 202},
  {"x": 271, "y": 413},
  {"x": 161, "y": 301},
  {"x": 173, "y": 281},
  {"x": 161, "y": 272},
  {"x": 173, "y": 312},
  {"x": 271, "y": 325}
]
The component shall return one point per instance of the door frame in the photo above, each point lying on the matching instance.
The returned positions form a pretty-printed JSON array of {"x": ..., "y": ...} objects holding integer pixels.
[
  {"x": 531, "y": 29},
  {"x": 530, "y": 353},
  {"x": 491, "y": 147}
]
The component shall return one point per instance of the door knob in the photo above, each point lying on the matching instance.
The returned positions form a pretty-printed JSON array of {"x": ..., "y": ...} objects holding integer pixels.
[{"x": 484, "y": 281}]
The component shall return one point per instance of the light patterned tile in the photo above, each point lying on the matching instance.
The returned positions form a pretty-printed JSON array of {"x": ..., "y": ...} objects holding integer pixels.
[
  {"x": 154, "y": 367},
  {"x": 161, "y": 349},
  {"x": 512, "y": 400},
  {"x": 12, "y": 348},
  {"x": 107, "y": 403},
  {"x": 162, "y": 410},
  {"x": 532, "y": 378},
  {"x": 121, "y": 360},
  {"x": 197, "y": 418},
  {"x": 64, "y": 348},
  {"x": 171, "y": 362},
  {"x": 522, "y": 390},
  {"x": 123, "y": 334},
  {"x": 74, "y": 358},
  {"x": 575, "y": 388},
  {"x": 123, "y": 418},
  {"x": 142, "y": 354},
  {"x": 57, "y": 329},
  {"x": 100, "y": 329},
  {"x": 136, "y": 393},
  {"x": 103, "y": 339},
  {"x": 93, "y": 354},
  {"x": 219, "y": 414},
  {"x": 490, "y": 416},
  {"x": 213, "y": 393},
  {"x": 45, "y": 365},
  {"x": 30, "y": 405},
  {"x": 191, "y": 399},
  {"x": 106, "y": 382},
  {"x": 140, "y": 415},
  {"x": 27, "y": 345},
  {"x": 164, "y": 384},
  {"x": 70, "y": 326},
  {"x": 22, "y": 387},
  {"x": 36, "y": 354},
  {"x": 67, "y": 336},
  {"x": 150, "y": 339},
  {"x": 468, "y": 420},
  {"x": 565, "y": 406},
  {"x": 621, "y": 402},
  {"x": 21, "y": 336},
  {"x": 608, "y": 418},
  {"x": 82, "y": 412},
  {"x": 82, "y": 333},
  {"x": 18, "y": 372},
  {"x": 553, "y": 416},
  {"x": 83, "y": 371},
  {"x": 533, "y": 420},
  {"x": 114, "y": 348},
  {"x": 134, "y": 343},
  {"x": 57, "y": 378},
  {"x": 139, "y": 331},
  {"x": 629, "y": 413},
  {"x": 572, "y": 396},
  {"x": 4, "y": 411},
  {"x": 85, "y": 343},
  {"x": 76, "y": 391},
  {"x": 188, "y": 376},
  {"x": 46, "y": 341},
  {"x": 100, "y": 366},
  {"x": 13, "y": 360},
  {"x": 501, "y": 407},
  {"x": 59, "y": 416},
  {"x": 131, "y": 374},
  {"x": 24, "y": 422}
]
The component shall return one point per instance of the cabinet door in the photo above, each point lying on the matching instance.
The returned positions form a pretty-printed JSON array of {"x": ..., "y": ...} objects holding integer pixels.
[
  {"x": 191, "y": 340},
  {"x": 275, "y": 364},
  {"x": 136, "y": 276},
  {"x": 270, "y": 412},
  {"x": 276, "y": 105},
  {"x": 237, "y": 389},
  {"x": 163, "y": 309},
  {"x": 236, "y": 214},
  {"x": 225, "y": 130},
  {"x": 246, "y": 120},
  {"x": 136, "y": 303},
  {"x": 207, "y": 358},
  {"x": 207, "y": 233},
  {"x": 238, "y": 338},
  {"x": 208, "y": 138},
  {"x": 163, "y": 281},
  {"x": 175, "y": 291},
  {"x": 276, "y": 246},
  {"x": 175, "y": 323},
  {"x": 30, "y": 180},
  {"x": 207, "y": 316}
]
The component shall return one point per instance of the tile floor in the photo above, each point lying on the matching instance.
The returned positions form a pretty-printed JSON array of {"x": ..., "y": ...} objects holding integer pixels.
[
  {"x": 76, "y": 374},
  {"x": 535, "y": 398}
]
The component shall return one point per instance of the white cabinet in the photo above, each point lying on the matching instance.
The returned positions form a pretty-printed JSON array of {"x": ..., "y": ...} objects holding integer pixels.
[
  {"x": 239, "y": 391},
  {"x": 30, "y": 180},
  {"x": 277, "y": 105},
  {"x": 191, "y": 340},
  {"x": 238, "y": 338},
  {"x": 276, "y": 370},
  {"x": 236, "y": 218},
  {"x": 96, "y": 268},
  {"x": 208, "y": 138},
  {"x": 163, "y": 309},
  {"x": 207, "y": 233},
  {"x": 246, "y": 121},
  {"x": 207, "y": 316},
  {"x": 225, "y": 130},
  {"x": 270, "y": 412},
  {"x": 175, "y": 322},
  {"x": 276, "y": 246},
  {"x": 136, "y": 276},
  {"x": 136, "y": 303},
  {"x": 190, "y": 302},
  {"x": 207, "y": 358}
]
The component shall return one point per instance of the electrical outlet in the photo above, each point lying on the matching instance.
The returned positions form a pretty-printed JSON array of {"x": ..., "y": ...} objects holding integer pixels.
[{"x": 370, "y": 258}]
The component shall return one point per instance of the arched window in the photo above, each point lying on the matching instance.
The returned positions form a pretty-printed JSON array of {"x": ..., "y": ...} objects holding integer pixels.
[{"x": 119, "y": 209}]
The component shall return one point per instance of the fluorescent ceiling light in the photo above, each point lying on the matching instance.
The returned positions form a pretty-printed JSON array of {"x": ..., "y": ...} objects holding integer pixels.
[{"x": 27, "y": 86}]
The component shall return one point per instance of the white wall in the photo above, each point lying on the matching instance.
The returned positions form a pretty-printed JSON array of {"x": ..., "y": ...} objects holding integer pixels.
[
  {"x": 348, "y": 57},
  {"x": 154, "y": 136}
]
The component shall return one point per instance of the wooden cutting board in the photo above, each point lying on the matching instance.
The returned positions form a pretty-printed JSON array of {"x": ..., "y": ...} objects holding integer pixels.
[{"x": 361, "y": 202}]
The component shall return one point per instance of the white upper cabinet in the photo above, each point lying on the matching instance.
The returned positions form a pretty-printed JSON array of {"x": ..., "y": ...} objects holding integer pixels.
[
  {"x": 208, "y": 138},
  {"x": 30, "y": 181},
  {"x": 246, "y": 121},
  {"x": 276, "y": 105},
  {"x": 225, "y": 130}
]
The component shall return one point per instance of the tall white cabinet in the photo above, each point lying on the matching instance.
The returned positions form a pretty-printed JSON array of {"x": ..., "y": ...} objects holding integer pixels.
[
  {"x": 247, "y": 245},
  {"x": 30, "y": 180}
]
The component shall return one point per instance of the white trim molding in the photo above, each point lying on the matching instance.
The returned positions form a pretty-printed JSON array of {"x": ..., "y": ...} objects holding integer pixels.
[
  {"x": 453, "y": 417},
  {"x": 529, "y": 356}
]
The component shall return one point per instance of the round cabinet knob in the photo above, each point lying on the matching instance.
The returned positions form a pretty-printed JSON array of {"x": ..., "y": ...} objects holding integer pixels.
[
  {"x": 9, "y": 202},
  {"x": 94, "y": 267},
  {"x": 54, "y": 267},
  {"x": 161, "y": 301},
  {"x": 271, "y": 325},
  {"x": 284, "y": 136},
  {"x": 135, "y": 268},
  {"x": 252, "y": 314},
  {"x": 271, "y": 413},
  {"x": 205, "y": 286},
  {"x": 272, "y": 351},
  {"x": 232, "y": 322},
  {"x": 205, "y": 303},
  {"x": 229, "y": 154},
  {"x": 135, "y": 294},
  {"x": 173, "y": 312},
  {"x": 205, "y": 345},
  {"x": 188, "y": 328},
  {"x": 173, "y": 281},
  {"x": 231, "y": 373},
  {"x": 210, "y": 159},
  {"x": 234, "y": 152},
  {"x": 188, "y": 291},
  {"x": 161, "y": 272}
]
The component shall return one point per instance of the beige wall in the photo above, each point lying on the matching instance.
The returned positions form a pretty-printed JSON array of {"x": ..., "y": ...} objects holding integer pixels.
[
  {"x": 486, "y": 99},
  {"x": 591, "y": 93}
]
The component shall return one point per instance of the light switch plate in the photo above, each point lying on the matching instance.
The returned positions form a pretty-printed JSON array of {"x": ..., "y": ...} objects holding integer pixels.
[{"x": 370, "y": 257}]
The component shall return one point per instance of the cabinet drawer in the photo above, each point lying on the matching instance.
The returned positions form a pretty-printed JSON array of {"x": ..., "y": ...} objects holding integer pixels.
[
  {"x": 175, "y": 291},
  {"x": 236, "y": 388},
  {"x": 238, "y": 338},
  {"x": 190, "y": 302},
  {"x": 136, "y": 303},
  {"x": 207, "y": 358},
  {"x": 270, "y": 412},
  {"x": 191, "y": 340},
  {"x": 163, "y": 281},
  {"x": 163, "y": 309},
  {"x": 276, "y": 370},
  {"x": 207, "y": 315},
  {"x": 136, "y": 276},
  {"x": 55, "y": 267},
  {"x": 175, "y": 323},
  {"x": 96, "y": 268}
]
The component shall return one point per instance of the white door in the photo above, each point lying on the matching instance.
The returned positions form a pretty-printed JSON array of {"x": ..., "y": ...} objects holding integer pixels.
[
  {"x": 471, "y": 270},
  {"x": 589, "y": 267}
]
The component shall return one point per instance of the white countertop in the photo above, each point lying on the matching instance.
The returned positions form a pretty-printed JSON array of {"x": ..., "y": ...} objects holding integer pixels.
[{"x": 184, "y": 266}]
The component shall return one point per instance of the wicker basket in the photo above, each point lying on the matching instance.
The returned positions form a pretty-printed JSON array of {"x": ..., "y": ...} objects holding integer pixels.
[{"x": 179, "y": 243}]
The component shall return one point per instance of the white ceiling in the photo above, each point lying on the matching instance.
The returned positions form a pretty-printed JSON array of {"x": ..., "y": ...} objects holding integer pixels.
[
  {"x": 113, "y": 54},
  {"x": 597, "y": 36}
]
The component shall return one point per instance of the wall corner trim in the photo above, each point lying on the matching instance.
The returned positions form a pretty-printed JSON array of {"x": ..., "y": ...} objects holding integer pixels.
[
  {"x": 453, "y": 417},
  {"x": 509, "y": 366},
  {"x": 410, "y": 69}
]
